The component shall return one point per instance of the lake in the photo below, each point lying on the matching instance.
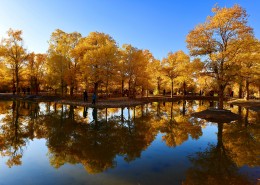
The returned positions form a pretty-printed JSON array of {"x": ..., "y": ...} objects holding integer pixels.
[{"x": 151, "y": 144}]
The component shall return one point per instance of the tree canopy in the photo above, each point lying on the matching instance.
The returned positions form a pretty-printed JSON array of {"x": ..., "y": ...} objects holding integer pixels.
[{"x": 223, "y": 53}]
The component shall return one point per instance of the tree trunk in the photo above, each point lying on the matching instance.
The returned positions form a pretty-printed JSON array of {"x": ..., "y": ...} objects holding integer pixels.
[
  {"x": 122, "y": 88},
  {"x": 95, "y": 87},
  {"x": 221, "y": 97},
  {"x": 240, "y": 90},
  {"x": 71, "y": 91},
  {"x": 172, "y": 90},
  {"x": 259, "y": 91},
  {"x": 247, "y": 89},
  {"x": 62, "y": 86},
  {"x": 158, "y": 86},
  {"x": 107, "y": 88},
  {"x": 36, "y": 86},
  {"x": 17, "y": 78},
  {"x": 184, "y": 88},
  {"x": 129, "y": 88},
  {"x": 134, "y": 93}
]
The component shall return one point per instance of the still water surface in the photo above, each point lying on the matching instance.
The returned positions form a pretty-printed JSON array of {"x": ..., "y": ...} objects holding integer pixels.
[{"x": 156, "y": 143}]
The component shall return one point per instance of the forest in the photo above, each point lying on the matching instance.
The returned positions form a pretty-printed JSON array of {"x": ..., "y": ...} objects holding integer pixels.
[{"x": 223, "y": 57}]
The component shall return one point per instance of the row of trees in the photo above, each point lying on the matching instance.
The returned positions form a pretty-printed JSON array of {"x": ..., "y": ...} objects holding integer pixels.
[
  {"x": 94, "y": 62},
  {"x": 229, "y": 50}
]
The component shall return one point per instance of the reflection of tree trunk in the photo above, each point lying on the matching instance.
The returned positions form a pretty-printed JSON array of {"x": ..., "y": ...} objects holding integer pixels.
[
  {"x": 31, "y": 129},
  {"x": 85, "y": 111},
  {"x": 220, "y": 149},
  {"x": 55, "y": 107},
  {"x": 220, "y": 134},
  {"x": 239, "y": 110},
  {"x": 129, "y": 121},
  {"x": 122, "y": 114},
  {"x": 158, "y": 109},
  {"x": 247, "y": 89},
  {"x": 61, "y": 115},
  {"x": 183, "y": 107},
  {"x": 240, "y": 121},
  {"x": 128, "y": 113},
  {"x": 71, "y": 112},
  {"x": 106, "y": 115},
  {"x": 15, "y": 122},
  {"x": 134, "y": 113},
  {"x": 219, "y": 146},
  {"x": 94, "y": 114},
  {"x": 34, "y": 113},
  {"x": 246, "y": 118},
  {"x": 48, "y": 107},
  {"x": 171, "y": 110}
]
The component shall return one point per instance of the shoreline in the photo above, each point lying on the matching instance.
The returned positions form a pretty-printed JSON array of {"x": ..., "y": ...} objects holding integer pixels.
[
  {"x": 102, "y": 103},
  {"x": 124, "y": 101}
]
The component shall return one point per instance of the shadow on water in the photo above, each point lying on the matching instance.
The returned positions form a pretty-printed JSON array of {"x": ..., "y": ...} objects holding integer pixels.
[{"x": 95, "y": 137}]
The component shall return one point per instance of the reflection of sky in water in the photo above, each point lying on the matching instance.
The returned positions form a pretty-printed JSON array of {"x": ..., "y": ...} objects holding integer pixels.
[
  {"x": 157, "y": 164},
  {"x": 158, "y": 161},
  {"x": 1, "y": 117}
]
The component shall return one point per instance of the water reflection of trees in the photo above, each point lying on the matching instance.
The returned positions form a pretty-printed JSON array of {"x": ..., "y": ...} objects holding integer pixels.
[
  {"x": 16, "y": 130},
  {"x": 71, "y": 139},
  {"x": 75, "y": 138},
  {"x": 97, "y": 144},
  {"x": 95, "y": 137},
  {"x": 174, "y": 123},
  {"x": 237, "y": 146}
]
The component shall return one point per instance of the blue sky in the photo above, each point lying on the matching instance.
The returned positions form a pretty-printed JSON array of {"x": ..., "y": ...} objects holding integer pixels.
[{"x": 158, "y": 25}]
